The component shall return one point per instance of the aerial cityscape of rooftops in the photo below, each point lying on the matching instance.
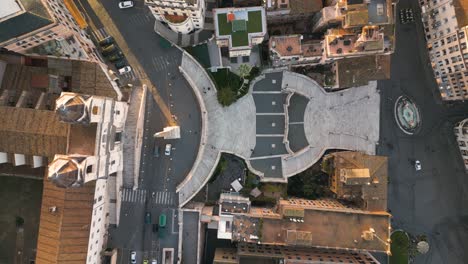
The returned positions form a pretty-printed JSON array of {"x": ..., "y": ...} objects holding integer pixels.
[{"x": 233, "y": 131}]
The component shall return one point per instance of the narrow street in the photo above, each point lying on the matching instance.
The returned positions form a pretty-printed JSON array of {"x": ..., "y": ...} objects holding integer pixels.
[
  {"x": 170, "y": 101},
  {"x": 431, "y": 201}
]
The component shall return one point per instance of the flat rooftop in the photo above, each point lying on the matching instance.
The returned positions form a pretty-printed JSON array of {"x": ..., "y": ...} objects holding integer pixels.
[
  {"x": 35, "y": 17},
  {"x": 9, "y": 7},
  {"x": 239, "y": 23},
  {"x": 324, "y": 228}
]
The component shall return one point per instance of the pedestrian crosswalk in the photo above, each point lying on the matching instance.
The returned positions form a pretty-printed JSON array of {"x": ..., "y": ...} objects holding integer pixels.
[
  {"x": 134, "y": 196},
  {"x": 139, "y": 19},
  {"x": 161, "y": 63},
  {"x": 167, "y": 198}
]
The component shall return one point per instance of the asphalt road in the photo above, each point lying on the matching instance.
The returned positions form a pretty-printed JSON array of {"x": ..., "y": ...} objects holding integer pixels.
[
  {"x": 432, "y": 201},
  {"x": 159, "y": 175}
]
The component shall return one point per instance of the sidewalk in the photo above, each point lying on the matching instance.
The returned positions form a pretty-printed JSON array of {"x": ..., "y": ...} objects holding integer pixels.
[{"x": 182, "y": 40}]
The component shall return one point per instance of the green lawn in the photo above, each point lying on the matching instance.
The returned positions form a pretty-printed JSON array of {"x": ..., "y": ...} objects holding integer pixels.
[
  {"x": 201, "y": 54},
  {"x": 240, "y": 38},
  {"x": 223, "y": 26},
  {"x": 255, "y": 22},
  {"x": 399, "y": 248}
]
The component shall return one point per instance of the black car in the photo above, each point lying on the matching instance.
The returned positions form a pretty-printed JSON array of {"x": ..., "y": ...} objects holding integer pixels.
[
  {"x": 155, "y": 228},
  {"x": 107, "y": 41},
  {"x": 120, "y": 64},
  {"x": 115, "y": 57}
]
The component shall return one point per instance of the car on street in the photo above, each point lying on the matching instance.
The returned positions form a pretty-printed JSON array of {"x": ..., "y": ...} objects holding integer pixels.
[
  {"x": 148, "y": 218},
  {"x": 417, "y": 165},
  {"x": 109, "y": 50},
  {"x": 125, "y": 4},
  {"x": 162, "y": 220},
  {"x": 120, "y": 64},
  {"x": 145, "y": 261},
  {"x": 167, "y": 150},
  {"x": 154, "y": 261},
  {"x": 155, "y": 228},
  {"x": 106, "y": 41},
  {"x": 133, "y": 257},
  {"x": 125, "y": 69},
  {"x": 156, "y": 150},
  {"x": 115, "y": 57}
]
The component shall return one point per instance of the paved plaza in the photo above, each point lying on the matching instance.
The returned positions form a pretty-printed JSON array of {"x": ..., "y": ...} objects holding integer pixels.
[{"x": 281, "y": 127}]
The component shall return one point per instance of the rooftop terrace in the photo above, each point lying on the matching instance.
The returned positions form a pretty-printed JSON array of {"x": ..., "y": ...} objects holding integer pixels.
[{"x": 239, "y": 23}]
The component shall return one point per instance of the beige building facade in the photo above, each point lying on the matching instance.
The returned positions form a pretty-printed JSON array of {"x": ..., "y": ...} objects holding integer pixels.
[
  {"x": 446, "y": 30},
  {"x": 52, "y": 27},
  {"x": 461, "y": 133},
  {"x": 181, "y": 16}
]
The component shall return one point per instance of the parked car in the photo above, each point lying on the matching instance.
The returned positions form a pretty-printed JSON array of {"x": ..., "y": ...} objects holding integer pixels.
[
  {"x": 145, "y": 261},
  {"x": 148, "y": 218},
  {"x": 120, "y": 64},
  {"x": 155, "y": 228},
  {"x": 167, "y": 150},
  {"x": 115, "y": 57},
  {"x": 125, "y": 69},
  {"x": 125, "y": 4},
  {"x": 133, "y": 257},
  {"x": 417, "y": 165},
  {"x": 106, "y": 41},
  {"x": 154, "y": 261},
  {"x": 109, "y": 49},
  {"x": 156, "y": 150},
  {"x": 162, "y": 220}
]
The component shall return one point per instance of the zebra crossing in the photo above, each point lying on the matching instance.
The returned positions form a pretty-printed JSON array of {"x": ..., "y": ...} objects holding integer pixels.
[
  {"x": 139, "y": 19},
  {"x": 161, "y": 63},
  {"x": 167, "y": 198},
  {"x": 134, "y": 196}
]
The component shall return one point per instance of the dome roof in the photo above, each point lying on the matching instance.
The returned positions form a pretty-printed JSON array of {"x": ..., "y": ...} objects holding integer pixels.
[
  {"x": 73, "y": 110},
  {"x": 65, "y": 173}
]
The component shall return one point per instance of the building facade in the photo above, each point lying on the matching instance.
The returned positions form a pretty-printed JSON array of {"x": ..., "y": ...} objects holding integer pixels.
[
  {"x": 46, "y": 27},
  {"x": 181, "y": 16},
  {"x": 461, "y": 133},
  {"x": 446, "y": 30}
]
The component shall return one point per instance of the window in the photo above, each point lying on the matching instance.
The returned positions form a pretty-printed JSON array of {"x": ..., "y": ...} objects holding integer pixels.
[
  {"x": 118, "y": 137},
  {"x": 89, "y": 169}
]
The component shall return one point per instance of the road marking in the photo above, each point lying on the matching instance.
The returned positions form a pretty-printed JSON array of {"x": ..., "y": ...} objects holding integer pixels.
[
  {"x": 163, "y": 198},
  {"x": 112, "y": 29},
  {"x": 132, "y": 196}
]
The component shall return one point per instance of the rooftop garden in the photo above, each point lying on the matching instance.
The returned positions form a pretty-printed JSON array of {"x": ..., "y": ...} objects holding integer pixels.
[
  {"x": 239, "y": 29},
  {"x": 231, "y": 86},
  {"x": 175, "y": 19}
]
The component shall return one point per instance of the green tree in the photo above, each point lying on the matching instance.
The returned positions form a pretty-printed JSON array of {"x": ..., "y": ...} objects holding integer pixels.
[
  {"x": 226, "y": 96},
  {"x": 244, "y": 70}
]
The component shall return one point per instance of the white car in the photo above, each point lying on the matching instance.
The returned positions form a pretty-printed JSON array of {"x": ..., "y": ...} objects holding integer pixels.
[
  {"x": 133, "y": 257},
  {"x": 125, "y": 69},
  {"x": 125, "y": 4},
  {"x": 154, "y": 261},
  {"x": 417, "y": 165},
  {"x": 167, "y": 150}
]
